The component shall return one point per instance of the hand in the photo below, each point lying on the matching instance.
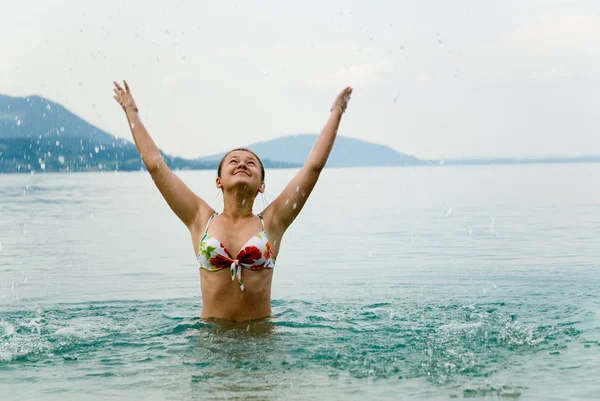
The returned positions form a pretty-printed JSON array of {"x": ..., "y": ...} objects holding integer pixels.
[
  {"x": 341, "y": 101},
  {"x": 124, "y": 97}
]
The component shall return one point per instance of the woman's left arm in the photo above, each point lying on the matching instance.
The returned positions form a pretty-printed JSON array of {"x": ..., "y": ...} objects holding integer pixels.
[{"x": 283, "y": 210}]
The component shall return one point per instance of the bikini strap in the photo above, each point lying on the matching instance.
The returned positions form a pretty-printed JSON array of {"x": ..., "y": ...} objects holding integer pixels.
[
  {"x": 209, "y": 220},
  {"x": 262, "y": 222}
]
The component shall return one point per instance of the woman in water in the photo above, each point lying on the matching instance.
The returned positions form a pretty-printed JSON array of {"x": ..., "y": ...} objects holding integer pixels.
[{"x": 236, "y": 249}]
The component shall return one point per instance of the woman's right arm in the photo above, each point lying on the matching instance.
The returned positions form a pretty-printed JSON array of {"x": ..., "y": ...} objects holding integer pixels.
[{"x": 190, "y": 208}]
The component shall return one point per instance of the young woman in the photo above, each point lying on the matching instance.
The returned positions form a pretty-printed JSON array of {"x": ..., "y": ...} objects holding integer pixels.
[{"x": 236, "y": 249}]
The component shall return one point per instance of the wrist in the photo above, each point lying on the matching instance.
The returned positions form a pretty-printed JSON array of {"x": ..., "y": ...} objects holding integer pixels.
[
  {"x": 337, "y": 110},
  {"x": 131, "y": 110}
]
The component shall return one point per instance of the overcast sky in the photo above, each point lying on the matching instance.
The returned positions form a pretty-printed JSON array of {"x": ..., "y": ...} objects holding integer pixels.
[{"x": 435, "y": 79}]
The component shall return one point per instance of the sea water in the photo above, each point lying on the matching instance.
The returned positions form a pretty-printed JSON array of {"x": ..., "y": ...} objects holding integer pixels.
[{"x": 393, "y": 283}]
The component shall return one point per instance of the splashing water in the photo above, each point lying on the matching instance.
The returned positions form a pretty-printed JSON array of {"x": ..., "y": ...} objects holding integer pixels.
[{"x": 442, "y": 343}]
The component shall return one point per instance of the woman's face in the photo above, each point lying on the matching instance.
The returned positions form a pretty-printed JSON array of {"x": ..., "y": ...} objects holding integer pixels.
[{"x": 241, "y": 168}]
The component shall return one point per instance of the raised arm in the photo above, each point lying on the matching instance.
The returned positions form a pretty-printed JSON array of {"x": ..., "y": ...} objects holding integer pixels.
[
  {"x": 284, "y": 209},
  {"x": 190, "y": 208}
]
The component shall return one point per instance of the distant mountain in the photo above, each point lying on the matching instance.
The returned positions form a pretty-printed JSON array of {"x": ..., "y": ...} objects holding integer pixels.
[
  {"x": 37, "y": 134},
  {"x": 346, "y": 152},
  {"x": 36, "y": 117}
]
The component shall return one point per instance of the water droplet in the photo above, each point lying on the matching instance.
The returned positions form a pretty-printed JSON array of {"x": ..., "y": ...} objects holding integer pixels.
[
  {"x": 492, "y": 225},
  {"x": 287, "y": 201},
  {"x": 61, "y": 159},
  {"x": 294, "y": 205},
  {"x": 297, "y": 188},
  {"x": 62, "y": 129},
  {"x": 96, "y": 149},
  {"x": 57, "y": 143},
  {"x": 47, "y": 107},
  {"x": 18, "y": 122},
  {"x": 43, "y": 166},
  {"x": 100, "y": 166},
  {"x": 132, "y": 125}
]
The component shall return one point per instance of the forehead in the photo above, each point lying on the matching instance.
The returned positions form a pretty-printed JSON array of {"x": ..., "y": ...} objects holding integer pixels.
[{"x": 241, "y": 154}]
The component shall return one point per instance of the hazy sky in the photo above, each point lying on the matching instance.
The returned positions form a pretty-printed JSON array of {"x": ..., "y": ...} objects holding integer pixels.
[{"x": 431, "y": 78}]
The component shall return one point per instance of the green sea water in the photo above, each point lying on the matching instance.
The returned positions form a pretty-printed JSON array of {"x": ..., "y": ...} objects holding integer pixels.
[{"x": 398, "y": 283}]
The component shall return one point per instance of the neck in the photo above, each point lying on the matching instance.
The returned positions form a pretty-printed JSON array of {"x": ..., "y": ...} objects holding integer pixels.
[{"x": 237, "y": 203}]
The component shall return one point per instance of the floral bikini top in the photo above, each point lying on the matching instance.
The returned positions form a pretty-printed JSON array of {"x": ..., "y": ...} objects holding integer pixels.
[{"x": 255, "y": 254}]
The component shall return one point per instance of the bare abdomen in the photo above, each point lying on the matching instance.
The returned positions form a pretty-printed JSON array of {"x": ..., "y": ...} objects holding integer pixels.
[{"x": 222, "y": 297}]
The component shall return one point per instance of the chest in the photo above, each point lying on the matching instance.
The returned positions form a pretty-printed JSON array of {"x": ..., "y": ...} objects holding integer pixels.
[{"x": 234, "y": 237}]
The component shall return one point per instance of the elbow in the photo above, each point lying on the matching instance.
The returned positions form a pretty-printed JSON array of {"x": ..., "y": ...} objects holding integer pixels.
[
  {"x": 155, "y": 165},
  {"x": 316, "y": 168}
]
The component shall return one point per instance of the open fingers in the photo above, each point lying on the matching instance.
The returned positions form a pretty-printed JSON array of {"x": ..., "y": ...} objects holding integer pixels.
[
  {"x": 126, "y": 86},
  {"x": 118, "y": 86}
]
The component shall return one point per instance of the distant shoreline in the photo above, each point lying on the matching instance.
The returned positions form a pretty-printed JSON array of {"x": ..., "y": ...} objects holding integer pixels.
[
  {"x": 426, "y": 163},
  {"x": 39, "y": 135}
]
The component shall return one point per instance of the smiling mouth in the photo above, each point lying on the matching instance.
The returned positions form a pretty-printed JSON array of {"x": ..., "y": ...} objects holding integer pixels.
[{"x": 241, "y": 171}]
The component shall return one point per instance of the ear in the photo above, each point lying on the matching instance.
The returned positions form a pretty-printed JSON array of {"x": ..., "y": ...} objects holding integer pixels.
[
  {"x": 261, "y": 189},
  {"x": 219, "y": 183}
]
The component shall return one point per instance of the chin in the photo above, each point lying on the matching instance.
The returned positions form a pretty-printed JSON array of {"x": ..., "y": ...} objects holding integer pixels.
[
  {"x": 238, "y": 181},
  {"x": 242, "y": 178}
]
